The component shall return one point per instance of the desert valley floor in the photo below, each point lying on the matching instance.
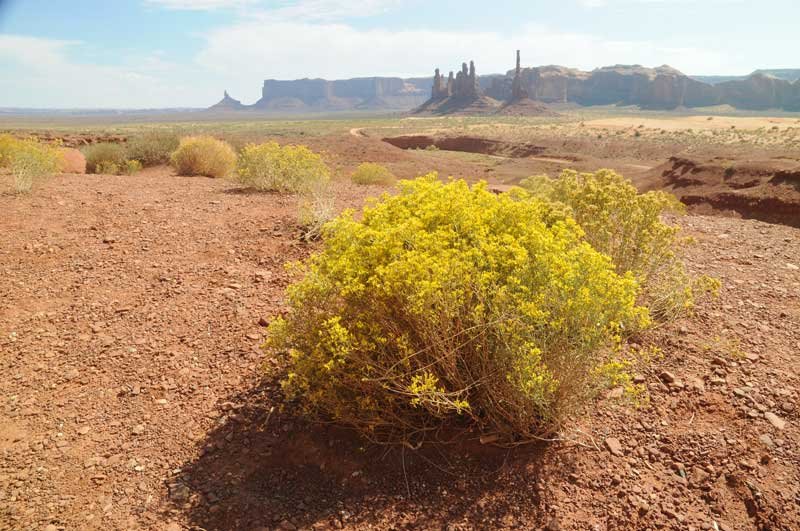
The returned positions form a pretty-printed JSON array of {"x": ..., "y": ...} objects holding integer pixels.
[{"x": 132, "y": 310}]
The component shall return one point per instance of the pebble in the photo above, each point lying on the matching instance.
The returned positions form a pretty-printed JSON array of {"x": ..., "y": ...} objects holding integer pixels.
[
  {"x": 766, "y": 440},
  {"x": 614, "y": 446},
  {"x": 138, "y": 429},
  {"x": 775, "y": 420}
]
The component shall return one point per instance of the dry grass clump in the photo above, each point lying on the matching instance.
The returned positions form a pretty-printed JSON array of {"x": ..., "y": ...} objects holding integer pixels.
[
  {"x": 450, "y": 306},
  {"x": 28, "y": 160},
  {"x": 371, "y": 173},
  {"x": 153, "y": 147},
  {"x": 203, "y": 155}
]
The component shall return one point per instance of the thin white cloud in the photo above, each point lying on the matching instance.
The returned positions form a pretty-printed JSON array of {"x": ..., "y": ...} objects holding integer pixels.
[
  {"x": 199, "y": 5},
  {"x": 328, "y": 10},
  {"x": 300, "y": 49},
  {"x": 286, "y": 10},
  {"x": 41, "y": 72},
  {"x": 628, "y": 3}
]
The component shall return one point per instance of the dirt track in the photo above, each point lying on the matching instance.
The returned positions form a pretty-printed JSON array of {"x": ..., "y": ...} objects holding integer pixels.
[{"x": 129, "y": 332}]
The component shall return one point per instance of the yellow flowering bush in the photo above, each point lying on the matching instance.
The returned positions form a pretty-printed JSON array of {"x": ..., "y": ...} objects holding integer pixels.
[
  {"x": 294, "y": 169},
  {"x": 272, "y": 167},
  {"x": 203, "y": 155},
  {"x": 449, "y": 305},
  {"x": 371, "y": 173},
  {"x": 628, "y": 227},
  {"x": 28, "y": 160}
]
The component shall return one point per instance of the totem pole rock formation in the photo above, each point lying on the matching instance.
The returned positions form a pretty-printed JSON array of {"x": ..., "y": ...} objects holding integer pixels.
[
  {"x": 464, "y": 85},
  {"x": 518, "y": 90}
]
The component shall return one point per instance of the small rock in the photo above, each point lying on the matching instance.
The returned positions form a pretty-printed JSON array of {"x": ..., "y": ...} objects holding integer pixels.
[
  {"x": 696, "y": 384},
  {"x": 766, "y": 440},
  {"x": 138, "y": 429},
  {"x": 792, "y": 267},
  {"x": 614, "y": 446},
  {"x": 615, "y": 393},
  {"x": 263, "y": 322},
  {"x": 178, "y": 492},
  {"x": 667, "y": 377},
  {"x": 775, "y": 420},
  {"x": 83, "y": 430}
]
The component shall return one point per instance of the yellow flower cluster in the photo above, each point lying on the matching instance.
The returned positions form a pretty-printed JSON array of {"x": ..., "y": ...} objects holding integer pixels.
[
  {"x": 446, "y": 304},
  {"x": 28, "y": 160},
  {"x": 630, "y": 229}
]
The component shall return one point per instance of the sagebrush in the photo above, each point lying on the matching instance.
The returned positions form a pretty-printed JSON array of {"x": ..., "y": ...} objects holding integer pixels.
[
  {"x": 272, "y": 167},
  {"x": 447, "y": 305},
  {"x": 203, "y": 155},
  {"x": 372, "y": 173},
  {"x": 153, "y": 147},
  {"x": 105, "y": 158}
]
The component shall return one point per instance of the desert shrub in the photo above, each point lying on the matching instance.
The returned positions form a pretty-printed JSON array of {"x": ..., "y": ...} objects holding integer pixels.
[
  {"x": 105, "y": 158},
  {"x": 271, "y": 167},
  {"x": 371, "y": 173},
  {"x": 203, "y": 155},
  {"x": 628, "y": 227},
  {"x": 29, "y": 161},
  {"x": 296, "y": 169},
  {"x": 316, "y": 208},
  {"x": 153, "y": 147},
  {"x": 131, "y": 166},
  {"x": 106, "y": 167},
  {"x": 445, "y": 305},
  {"x": 8, "y": 145}
]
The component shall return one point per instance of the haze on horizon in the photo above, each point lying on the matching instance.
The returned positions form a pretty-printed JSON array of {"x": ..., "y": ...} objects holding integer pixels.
[{"x": 183, "y": 53}]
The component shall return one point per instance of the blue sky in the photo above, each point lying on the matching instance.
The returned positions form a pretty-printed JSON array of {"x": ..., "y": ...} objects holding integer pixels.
[{"x": 168, "y": 53}]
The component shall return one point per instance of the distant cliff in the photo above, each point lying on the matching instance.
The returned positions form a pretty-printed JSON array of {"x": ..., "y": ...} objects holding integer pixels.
[{"x": 650, "y": 88}]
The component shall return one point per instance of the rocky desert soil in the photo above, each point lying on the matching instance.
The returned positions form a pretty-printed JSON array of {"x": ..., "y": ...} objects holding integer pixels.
[{"x": 134, "y": 396}]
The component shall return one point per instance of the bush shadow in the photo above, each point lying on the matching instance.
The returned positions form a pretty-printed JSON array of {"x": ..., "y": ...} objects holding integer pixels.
[{"x": 261, "y": 468}]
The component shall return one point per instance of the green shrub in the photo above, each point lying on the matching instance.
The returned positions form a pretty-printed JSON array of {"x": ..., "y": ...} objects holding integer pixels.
[
  {"x": 104, "y": 157},
  {"x": 371, "y": 173},
  {"x": 446, "y": 305},
  {"x": 628, "y": 227},
  {"x": 203, "y": 155},
  {"x": 153, "y": 148},
  {"x": 271, "y": 167},
  {"x": 28, "y": 160}
]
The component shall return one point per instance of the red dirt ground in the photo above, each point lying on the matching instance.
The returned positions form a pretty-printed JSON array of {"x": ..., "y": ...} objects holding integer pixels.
[{"x": 133, "y": 395}]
